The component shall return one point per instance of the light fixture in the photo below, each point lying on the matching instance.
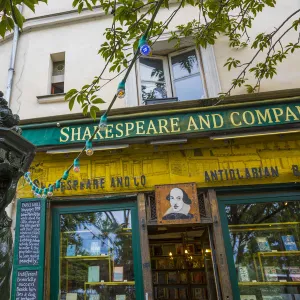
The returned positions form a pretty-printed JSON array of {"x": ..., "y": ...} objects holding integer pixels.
[
  {"x": 57, "y": 184},
  {"x": 145, "y": 49},
  {"x": 103, "y": 123},
  {"x": 89, "y": 148},
  {"x": 76, "y": 166},
  {"x": 252, "y": 134},
  {"x": 50, "y": 191},
  {"x": 170, "y": 254},
  {"x": 166, "y": 142},
  {"x": 78, "y": 150},
  {"x": 65, "y": 175},
  {"x": 121, "y": 90}
]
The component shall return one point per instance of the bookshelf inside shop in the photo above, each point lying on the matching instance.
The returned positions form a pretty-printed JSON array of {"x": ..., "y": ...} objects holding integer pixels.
[
  {"x": 267, "y": 260},
  {"x": 181, "y": 269},
  {"x": 97, "y": 264}
]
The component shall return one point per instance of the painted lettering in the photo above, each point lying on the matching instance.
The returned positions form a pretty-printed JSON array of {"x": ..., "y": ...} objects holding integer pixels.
[
  {"x": 233, "y": 121},
  {"x": 65, "y": 132}
]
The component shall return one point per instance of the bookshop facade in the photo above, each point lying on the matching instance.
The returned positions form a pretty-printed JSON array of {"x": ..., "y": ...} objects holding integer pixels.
[{"x": 188, "y": 217}]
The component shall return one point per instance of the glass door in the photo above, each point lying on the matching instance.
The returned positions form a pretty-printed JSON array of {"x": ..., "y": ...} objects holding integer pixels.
[{"x": 96, "y": 252}]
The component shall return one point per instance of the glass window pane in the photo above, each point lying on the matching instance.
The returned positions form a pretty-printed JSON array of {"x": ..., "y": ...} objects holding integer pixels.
[
  {"x": 152, "y": 69},
  {"x": 153, "y": 90},
  {"x": 189, "y": 88},
  {"x": 185, "y": 64},
  {"x": 96, "y": 259},
  {"x": 265, "y": 238}
]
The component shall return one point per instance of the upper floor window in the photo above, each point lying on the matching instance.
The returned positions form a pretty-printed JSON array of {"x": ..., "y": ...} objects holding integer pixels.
[
  {"x": 58, "y": 73},
  {"x": 177, "y": 75}
]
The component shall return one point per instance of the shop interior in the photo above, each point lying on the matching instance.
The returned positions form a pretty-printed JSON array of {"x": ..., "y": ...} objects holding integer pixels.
[{"x": 181, "y": 262}]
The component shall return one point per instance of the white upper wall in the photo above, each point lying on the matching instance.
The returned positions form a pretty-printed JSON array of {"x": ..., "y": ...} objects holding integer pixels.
[{"x": 80, "y": 37}]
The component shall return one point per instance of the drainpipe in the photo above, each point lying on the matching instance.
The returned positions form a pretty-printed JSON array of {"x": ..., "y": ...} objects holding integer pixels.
[
  {"x": 13, "y": 55},
  {"x": 11, "y": 71}
]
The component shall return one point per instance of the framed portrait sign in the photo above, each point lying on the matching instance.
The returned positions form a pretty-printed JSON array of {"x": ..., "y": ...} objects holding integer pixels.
[{"x": 177, "y": 203}]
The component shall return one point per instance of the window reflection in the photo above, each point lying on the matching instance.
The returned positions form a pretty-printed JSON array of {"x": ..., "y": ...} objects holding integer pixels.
[
  {"x": 96, "y": 259},
  {"x": 265, "y": 238}
]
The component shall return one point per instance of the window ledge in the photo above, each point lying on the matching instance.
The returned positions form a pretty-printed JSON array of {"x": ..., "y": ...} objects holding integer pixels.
[{"x": 51, "y": 98}]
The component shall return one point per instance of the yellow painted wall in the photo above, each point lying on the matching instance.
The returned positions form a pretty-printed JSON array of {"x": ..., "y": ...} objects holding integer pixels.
[{"x": 172, "y": 164}]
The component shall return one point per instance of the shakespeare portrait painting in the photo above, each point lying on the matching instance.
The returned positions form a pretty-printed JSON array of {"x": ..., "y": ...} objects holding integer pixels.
[{"x": 177, "y": 203}]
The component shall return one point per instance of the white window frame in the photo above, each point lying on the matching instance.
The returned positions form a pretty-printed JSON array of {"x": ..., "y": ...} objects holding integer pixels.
[
  {"x": 198, "y": 56},
  {"x": 168, "y": 72}
]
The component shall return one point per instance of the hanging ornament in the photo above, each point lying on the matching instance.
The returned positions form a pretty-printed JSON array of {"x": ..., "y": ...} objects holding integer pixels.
[
  {"x": 39, "y": 193},
  {"x": 103, "y": 123},
  {"x": 145, "y": 49},
  {"x": 57, "y": 184},
  {"x": 27, "y": 177},
  {"x": 121, "y": 89},
  {"x": 65, "y": 175},
  {"x": 89, "y": 148},
  {"x": 76, "y": 166},
  {"x": 45, "y": 193},
  {"x": 50, "y": 191}
]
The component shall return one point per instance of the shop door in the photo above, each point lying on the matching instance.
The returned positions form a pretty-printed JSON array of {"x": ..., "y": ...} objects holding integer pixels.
[
  {"x": 182, "y": 263},
  {"x": 96, "y": 253}
]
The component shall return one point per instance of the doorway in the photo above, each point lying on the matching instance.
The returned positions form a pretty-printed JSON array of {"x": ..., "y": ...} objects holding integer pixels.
[{"x": 182, "y": 262}]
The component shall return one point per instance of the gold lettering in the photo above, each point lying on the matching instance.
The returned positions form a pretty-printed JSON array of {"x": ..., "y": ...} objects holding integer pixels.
[
  {"x": 108, "y": 133},
  {"x": 121, "y": 133},
  {"x": 88, "y": 133},
  {"x": 140, "y": 126},
  {"x": 78, "y": 133},
  {"x": 151, "y": 127},
  {"x": 290, "y": 113},
  {"x": 232, "y": 119},
  {"x": 174, "y": 123},
  {"x": 245, "y": 117},
  {"x": 263, "y": 118},
  {"x": 163, "y": 126},
  {"x": 206, "y": 122},
  {"x": 98, "y": 134},
  {"x": 277, "y": 113},
  {"x": 298, "y": 108},
  {"x": 192, "y": 123},
  {"x": 62, "y": 132},
  {"x": 129, "y": 127},
  {"x": 215, "y": 121}
]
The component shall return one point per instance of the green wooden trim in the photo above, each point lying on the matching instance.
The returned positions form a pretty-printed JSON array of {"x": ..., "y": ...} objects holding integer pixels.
[
  {"x": 57, "y": 211},
  {"x": 40, "y": 267},
  {"x": 244, "y": 199}
]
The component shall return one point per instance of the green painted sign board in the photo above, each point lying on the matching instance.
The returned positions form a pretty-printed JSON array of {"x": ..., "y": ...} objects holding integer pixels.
[
  {"x": 28, "y": 265},
  {"x": 213, "y": 120}
]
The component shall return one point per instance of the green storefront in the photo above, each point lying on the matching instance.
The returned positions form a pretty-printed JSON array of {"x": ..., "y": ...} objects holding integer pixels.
[{"x": 117, "y": 231}]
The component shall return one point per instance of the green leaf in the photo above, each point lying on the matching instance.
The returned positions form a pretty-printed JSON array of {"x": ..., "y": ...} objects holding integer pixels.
[
  {"x": 80, "y": 7},
  {"x": 93, "y": 111},
  {"x": 70, "y": 93},
  {"x": 75, "y": 2},
  {"x": 71, "y": 103},
  {"x": 29, "y": 4},
  {"x": 3, "y": 25},
  {"x": 18, "y": 16},
  {"x": 98, "y": 101}
]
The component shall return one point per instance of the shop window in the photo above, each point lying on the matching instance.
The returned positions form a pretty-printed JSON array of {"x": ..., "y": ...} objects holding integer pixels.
[
  {"x": 175, "y": 77},
  {"x": 96, "y": 256},
  {"x": 58, "y": 73},
  {"x": 265, "y": 243}
]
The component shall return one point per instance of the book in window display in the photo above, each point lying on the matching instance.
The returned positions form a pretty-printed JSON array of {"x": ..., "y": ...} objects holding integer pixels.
[
  {"x": 182, "y": 293},
  {"x": 263, "y": 244},
  {"x": 93, "y": 274},
  {"x": 71, "y": 249},
  {"x": 120, "y": 297},
  {"x": 272, "y": 297},
  {"x": 95, "y": 247},
  {"x": 248, "y": 297},
  {"x": 172, "y": 277},
  {"x": 94, "y": 297},
  {"x": 162, "y": 263},
  {"x": 271, "y": 273},
  {"x": 71, "y": 296},
  {"x": 294, "y": 273},
  {"x": 161, "y": 278},
  {"x": 289, "y": 243},
  {"x": 118, "y": 273},
  {"x": 172, "y": 293},
  {"x": 154, "y": 277},
  {"x": 199, "y": 293},
  {"x": 198, "y": 277},
  {"x": 243, "y": 274},
  {"x": 161, "y": 293},
  {"x": 183, "y": 277}
]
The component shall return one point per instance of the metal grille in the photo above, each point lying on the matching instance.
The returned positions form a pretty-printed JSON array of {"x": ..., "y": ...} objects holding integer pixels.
[
  {"x": 152, "y": 204},
  {"x": 201, "y": 204}
]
